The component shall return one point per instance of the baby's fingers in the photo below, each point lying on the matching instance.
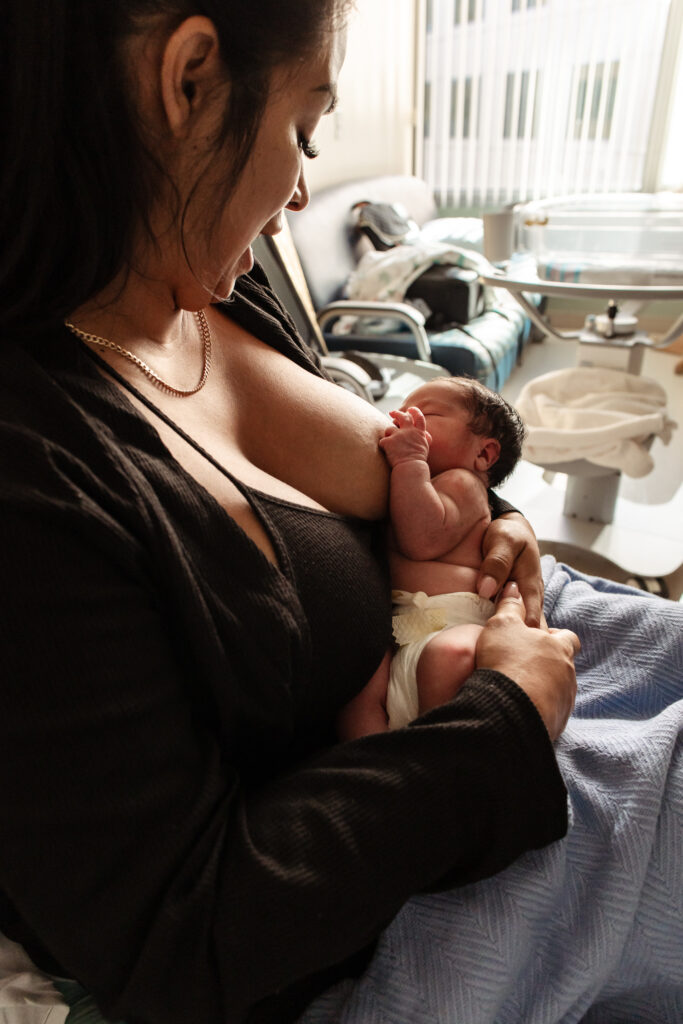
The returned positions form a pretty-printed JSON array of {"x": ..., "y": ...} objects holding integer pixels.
[
  {"x": 401, "y": 419},
  {"x": 417, "y": 418}
]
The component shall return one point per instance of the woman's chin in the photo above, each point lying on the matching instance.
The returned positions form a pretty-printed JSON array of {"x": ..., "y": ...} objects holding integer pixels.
[
  {"x": 225, "y": 285},
  {"x": 224, "y": 289},
  {"x": 246, "y": 261}
]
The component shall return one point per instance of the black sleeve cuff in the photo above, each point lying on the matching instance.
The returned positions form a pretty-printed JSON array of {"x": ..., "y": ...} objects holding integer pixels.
[{"x": 500, "y": 507}]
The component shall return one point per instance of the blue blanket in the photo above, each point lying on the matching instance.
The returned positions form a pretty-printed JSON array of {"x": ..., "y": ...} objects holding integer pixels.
[{"x": 591, "y": 928}]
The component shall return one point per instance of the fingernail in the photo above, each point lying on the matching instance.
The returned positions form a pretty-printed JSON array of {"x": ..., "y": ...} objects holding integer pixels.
[
  {"x": 511, "y": 589},
  {"x": 487, "y": 587}
]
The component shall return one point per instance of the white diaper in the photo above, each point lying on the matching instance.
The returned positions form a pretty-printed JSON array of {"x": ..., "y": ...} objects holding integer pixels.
[{"x": 417, "y": 618}]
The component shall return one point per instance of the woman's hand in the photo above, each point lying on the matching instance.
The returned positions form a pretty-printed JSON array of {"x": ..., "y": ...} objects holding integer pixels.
[
  {"x": 540, "y": 661},
  {"x": 511, "y": 552}
]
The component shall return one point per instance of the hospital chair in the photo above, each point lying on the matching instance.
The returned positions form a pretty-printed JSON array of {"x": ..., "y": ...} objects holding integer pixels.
[
  {"x": 487, "y": 347},
  {"x": 380, "y": 378}
]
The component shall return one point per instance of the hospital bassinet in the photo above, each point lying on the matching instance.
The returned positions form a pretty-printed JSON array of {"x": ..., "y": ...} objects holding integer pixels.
[{"x": 625, "y": 238}]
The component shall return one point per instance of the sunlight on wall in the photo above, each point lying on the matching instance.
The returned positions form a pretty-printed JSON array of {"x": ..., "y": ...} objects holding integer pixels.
[
  {"x": 672, "y": 166},
  {"x": 371, "y": 132}
]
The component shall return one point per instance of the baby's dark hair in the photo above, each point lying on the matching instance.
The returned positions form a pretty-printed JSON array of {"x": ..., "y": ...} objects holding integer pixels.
[{"x": 492, "y": 416}]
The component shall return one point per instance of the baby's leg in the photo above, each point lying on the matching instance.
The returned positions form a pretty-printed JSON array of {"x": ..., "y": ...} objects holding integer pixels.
[
  {"x": 444, "y": 665},
  {"x": 367, "y": 712}
]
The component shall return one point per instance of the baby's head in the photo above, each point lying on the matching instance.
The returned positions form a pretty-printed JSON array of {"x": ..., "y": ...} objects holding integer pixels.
[{"x": 488, "y": 416}]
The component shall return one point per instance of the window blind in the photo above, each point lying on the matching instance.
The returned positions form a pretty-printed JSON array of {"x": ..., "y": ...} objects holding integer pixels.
[{"x": 525, "y": 99}]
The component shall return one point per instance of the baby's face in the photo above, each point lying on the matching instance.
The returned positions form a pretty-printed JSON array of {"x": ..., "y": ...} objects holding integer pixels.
[{"x": 453, "y": 444}]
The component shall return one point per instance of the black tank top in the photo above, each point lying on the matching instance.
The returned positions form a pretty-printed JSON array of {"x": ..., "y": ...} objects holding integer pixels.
[{"x": 322, "y": 554}]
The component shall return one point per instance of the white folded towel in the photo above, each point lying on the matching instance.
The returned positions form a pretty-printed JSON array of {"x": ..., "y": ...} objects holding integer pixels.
[
  {"x": 27, "y": 995},
  {"x": 605, "y": 416}
]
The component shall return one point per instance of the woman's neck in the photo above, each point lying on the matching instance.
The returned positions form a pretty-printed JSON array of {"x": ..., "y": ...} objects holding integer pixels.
[{"x": 137, "y": 312}]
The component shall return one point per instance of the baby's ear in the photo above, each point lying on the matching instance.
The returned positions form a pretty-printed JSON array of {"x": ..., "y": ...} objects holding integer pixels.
[{"x": 487, "y": 454}]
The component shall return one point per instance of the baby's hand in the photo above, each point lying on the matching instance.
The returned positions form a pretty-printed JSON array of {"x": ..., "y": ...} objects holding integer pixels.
[{"x": 408, "y": 440}]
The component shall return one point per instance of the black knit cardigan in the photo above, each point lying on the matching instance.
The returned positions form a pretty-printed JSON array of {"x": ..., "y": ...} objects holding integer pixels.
[{"x": 138, "y": 852}]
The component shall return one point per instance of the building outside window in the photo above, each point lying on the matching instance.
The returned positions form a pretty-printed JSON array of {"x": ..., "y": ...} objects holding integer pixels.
[
  {"x": 524, "y": 5},
  {"x": 469, "y": 123},
  {"x": 531, "y": 98},
  {"x": 472, "y": 9}
]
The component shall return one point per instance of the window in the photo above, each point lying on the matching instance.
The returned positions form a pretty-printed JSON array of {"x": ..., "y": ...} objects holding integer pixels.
[
  {"x": 467, "y": 109},
  {"x": 472, "y": 10},
  {"x": 517, "y": 115},
  {"x": 611, "y": 95},
  {"x": 535, "y": 100},
  {"x": 509, "y": 98},
  {"x": 427, "y": 109},
  {"x": 605, "y": 77},
  {"x": 595, "y": 105},
  {"x": 454, "y": 107},
  {"x": 470, "y": 125}
]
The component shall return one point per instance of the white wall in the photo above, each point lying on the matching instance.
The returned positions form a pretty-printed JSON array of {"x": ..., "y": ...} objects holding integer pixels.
[
  {"x": 671, "y": 176},
  {"x": 371, "y": 132}
]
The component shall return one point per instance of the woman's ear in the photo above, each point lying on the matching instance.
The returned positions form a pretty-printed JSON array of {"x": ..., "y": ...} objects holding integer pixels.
[
  {"x": 488, "y": 452},
  {"x": 190, "y": 68}
]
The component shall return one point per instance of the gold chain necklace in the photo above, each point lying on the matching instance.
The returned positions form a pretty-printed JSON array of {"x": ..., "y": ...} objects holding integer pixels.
[{"x": 205, "y": 332}]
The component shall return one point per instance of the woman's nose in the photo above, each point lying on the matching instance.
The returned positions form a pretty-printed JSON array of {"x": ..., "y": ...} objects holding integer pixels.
[{"x": 299, "y": 200}]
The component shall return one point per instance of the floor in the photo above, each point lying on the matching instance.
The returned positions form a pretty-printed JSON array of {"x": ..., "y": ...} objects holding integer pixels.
[{"x": 644, "y": 542}]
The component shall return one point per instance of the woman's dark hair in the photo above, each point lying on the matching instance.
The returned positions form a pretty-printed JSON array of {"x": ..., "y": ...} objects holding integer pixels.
[
  {"x": 76, "y": 177},
  {"x": 492, "y": 416}
]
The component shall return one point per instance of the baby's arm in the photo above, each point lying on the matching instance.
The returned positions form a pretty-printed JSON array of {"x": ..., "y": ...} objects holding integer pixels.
[
  {"x": 367, "y": 712},
  {"x": 429, "y": 516}
]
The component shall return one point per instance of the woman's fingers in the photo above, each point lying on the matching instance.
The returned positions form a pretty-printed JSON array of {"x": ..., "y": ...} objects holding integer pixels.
[
  {"x": 569, "y": 637},
  {"x": 511, "y": 591},
  {"x": 510, "y": 550},
  {"x": 540, "y": 661}
]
